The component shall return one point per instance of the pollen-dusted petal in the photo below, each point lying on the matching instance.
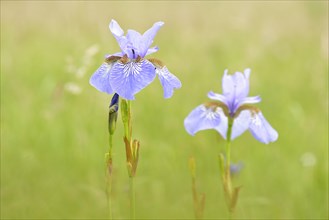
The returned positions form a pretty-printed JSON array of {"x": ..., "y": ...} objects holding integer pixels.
[
  {"x": 101, "y": 78},
  {"x": 261, "y": 129},
  {"x": 149, "y": 35},
  {"x": 168, "y": 81},
  {"x": 201, "y": 118},
  {"x": 241, "y": 124},
  {"x": 217, "y": 97},
  {"x": 129, "y": 78},
  {"x": 117, "y": 54}
]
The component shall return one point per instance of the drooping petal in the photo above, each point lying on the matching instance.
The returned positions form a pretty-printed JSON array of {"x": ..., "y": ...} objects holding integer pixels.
[
  {"x": 148, "y": 37},
  {"x": 241, "y": 124},
  {"x": 223, "y": 125},
  {"x": 101, "y": 78},
  {"x": 217, "y": 97},
  {"x": 129, "y": 78},
  {"x": 168, "y": 81},
  {"x": 201, "y": 118},
  {"x": 261, "y": 129}
]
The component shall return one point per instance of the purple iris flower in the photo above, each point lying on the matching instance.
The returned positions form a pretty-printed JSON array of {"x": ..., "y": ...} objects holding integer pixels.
[
  {"x": 234, "y": 103},
  {"x": 128, "y": 72},
  {"x": 235, "y": 168}
]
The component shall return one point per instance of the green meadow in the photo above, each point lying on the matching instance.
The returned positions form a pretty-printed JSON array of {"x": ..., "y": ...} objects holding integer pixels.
[{"x": 54, "y": 123}]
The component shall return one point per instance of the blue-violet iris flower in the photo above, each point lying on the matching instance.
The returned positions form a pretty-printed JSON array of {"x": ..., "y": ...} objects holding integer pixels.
[
  {"x": 128, "y": 72},
  {"x": 233, "y": 104}
]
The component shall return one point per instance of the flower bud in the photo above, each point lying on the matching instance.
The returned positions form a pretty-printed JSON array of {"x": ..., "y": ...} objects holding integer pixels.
[{"x": 113, "y": 113}]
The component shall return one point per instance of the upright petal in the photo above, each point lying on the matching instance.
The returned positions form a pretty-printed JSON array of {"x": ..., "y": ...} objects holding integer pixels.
[
  {"x": 135, "y": 45},
  {"x": 148, "y": 37},
  {"x": 129, "y": 78},
  {"x": 236, "y": 86},
  {"x": 261, "y": 129},
  {"x": 101, "y": 78},
  {"x": 116, "y": 29},
  {"x": 168, "y": 81},
  {"x": 118, "y": 34},
  {"x": 201, "y": 118}
]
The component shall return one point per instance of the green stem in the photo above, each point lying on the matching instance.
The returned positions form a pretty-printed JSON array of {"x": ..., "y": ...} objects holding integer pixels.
[
  {"x": 109, "y": 195},
  {"x": 132, "y": 198},
  {"x": 228, "y": 181},
  {"x": 130, "y": 153},
  {"x": 128, "y": 126},
  {"x": 109, "y": 173},
  {"x": 228, "y": 155}
]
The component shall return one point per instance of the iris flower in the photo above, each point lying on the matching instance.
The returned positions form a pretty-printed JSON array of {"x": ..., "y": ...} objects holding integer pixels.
[
  {"x": 127, "y": 72},
  {"x": 233, "y": 104}
]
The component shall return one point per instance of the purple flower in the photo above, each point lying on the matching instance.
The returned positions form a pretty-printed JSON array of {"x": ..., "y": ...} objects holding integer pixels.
[
  {"x": 233, "y": 104},
  {"x": 235, "y": 168},
  {"x": 128, "y": 72}
]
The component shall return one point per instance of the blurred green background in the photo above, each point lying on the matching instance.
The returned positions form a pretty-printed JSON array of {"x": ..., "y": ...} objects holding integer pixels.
[{"x": 54, "y": 124}]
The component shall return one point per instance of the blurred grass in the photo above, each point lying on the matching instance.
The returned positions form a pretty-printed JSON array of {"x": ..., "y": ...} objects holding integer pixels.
[{"x": 53, "y": 140}]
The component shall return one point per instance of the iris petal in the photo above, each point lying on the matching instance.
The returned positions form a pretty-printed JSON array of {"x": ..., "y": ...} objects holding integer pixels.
[
  {"x": 251, "y": 100},
  {"x": 201, "y": 118},
  {"x": 261, "y": 129},
  {"x": 241, "y": 124},
  {"x": 129, "y": 78},
  {"x": 148, "y": 37},
  {"x": 118, "y": 34},
  {"x": 236, "y": 86},
  {"x": 135, "y": 43},
  {"x": 116, "y": 29},
  {"x": 222, "y": 127},
  {"x": 152, "y": 50},
  {"x": 217, "y": 97},
  {"x": 101, "y": 78},
  {"x": 168, "y": 81}
]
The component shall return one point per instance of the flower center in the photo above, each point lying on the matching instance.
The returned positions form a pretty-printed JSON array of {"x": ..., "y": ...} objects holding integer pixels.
[{"x": 134, "y": 57}]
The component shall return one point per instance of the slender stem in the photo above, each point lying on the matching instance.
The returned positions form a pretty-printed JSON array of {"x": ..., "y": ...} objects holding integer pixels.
[
  {"x": 228, "y": 155},
  {"x": 130, "y": 156},
  {"x": 228, "y": 164},
  {"x": 109, "y": 179},
  {"x": 128, "y": 125},
  {"x": 109, "y": 196},
  {"x": 132, "y": 198}
]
